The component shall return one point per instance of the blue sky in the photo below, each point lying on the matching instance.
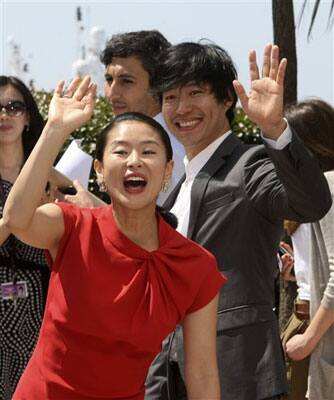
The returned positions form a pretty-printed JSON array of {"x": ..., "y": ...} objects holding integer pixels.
[{"x": 47, "y": 34}]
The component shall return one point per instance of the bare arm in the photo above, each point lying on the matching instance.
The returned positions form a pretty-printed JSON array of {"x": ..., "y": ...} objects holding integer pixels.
[
  {"x": 200, "y": 370},
  {"x": 43, "y": 226},
  {"x": 300, "y": 346}
]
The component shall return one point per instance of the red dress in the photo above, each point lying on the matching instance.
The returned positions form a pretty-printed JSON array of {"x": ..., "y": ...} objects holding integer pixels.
[{"x": 110, "y": 305}]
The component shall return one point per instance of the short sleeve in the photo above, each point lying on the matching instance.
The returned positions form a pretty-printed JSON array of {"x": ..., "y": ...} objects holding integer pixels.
[
  {"x": 210, "y": 286},
  {"x": 71, "y": 215}
]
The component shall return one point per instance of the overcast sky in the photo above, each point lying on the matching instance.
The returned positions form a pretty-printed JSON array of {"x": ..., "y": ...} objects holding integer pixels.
[{"x": 47, "y": 33}]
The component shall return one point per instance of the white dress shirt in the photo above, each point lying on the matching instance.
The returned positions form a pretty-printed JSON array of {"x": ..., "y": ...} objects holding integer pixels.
[
  {"x": 178, "y": 156},
  {"x": 181, "y": 207},
  {"x": 301, "y": 239}
]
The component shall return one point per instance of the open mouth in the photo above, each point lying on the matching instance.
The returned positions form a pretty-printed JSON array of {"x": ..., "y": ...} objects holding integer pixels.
[{"x": 134, "y": 182}]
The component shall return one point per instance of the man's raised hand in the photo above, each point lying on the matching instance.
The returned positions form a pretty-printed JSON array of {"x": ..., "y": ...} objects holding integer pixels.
[{"x": 264, "y": 104}]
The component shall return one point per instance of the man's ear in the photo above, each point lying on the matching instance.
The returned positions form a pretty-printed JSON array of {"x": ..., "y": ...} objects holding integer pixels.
[
  {"x": 157, "y": 104},
  {"x": 227, "y": 104}
]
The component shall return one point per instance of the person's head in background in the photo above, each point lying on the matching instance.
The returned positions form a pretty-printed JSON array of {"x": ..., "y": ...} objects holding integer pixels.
[
  {"x": 196, "y": 83},
  {"x": 131, "y": 60},
  {"x": 20, "y": 120},
  {"x": 314, "y": 121}
]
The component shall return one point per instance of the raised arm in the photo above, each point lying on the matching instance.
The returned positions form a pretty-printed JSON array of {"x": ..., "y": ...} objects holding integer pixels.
[
  {"x": 43, "y": 226},
  {"x": 290, "y": 184},
  {"x": 200, "y": 358},
  {"x": 264, "y": 104}
]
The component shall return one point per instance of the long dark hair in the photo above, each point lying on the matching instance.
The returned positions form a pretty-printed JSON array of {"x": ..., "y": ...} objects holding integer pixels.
[
  {"x": 29, "y": 135},
  {"x": 313, "y": 120},
  {"x": 134, "y": 116}
]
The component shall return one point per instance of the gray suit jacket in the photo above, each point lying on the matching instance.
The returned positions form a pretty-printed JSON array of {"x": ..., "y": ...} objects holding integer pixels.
[{"x": 238, "y": 202}]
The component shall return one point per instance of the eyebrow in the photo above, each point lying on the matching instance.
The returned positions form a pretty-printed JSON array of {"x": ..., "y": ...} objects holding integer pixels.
[
  {"x": 123, "y": 75},
  {"x": 124, "y": 142}
]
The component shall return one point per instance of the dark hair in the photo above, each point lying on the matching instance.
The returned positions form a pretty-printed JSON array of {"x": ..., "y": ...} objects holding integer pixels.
[
  {"x": 147, "y": 46},
  {"x": 134, "y": 116},
  {"x": 313, "y": 120},
  {"x": 199, "y": 63},
  {"x": 36, "y": 123}
]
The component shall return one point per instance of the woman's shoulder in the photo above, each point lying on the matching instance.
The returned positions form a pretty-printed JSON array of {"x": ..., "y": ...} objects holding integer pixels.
[{"x": 79, "y": 218}]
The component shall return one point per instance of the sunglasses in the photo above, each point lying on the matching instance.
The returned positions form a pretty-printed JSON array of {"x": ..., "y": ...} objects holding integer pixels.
[{"x": 13, "y": 108}]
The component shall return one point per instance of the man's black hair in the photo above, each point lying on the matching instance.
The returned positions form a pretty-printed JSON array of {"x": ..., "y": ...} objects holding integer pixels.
[
  {"x": 199, "y": 63},
  {"x": 147, "y": 46}
]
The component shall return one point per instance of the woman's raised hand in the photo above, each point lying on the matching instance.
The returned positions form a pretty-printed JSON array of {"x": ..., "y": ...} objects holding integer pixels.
[{"x": 73, "y": 107}]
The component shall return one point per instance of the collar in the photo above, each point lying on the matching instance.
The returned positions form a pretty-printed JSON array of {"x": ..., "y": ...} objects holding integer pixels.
[{"x": 193, "y": 166}]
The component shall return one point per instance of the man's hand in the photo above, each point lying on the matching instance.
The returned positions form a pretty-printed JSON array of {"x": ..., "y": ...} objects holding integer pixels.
[
  {"x": 83, "y": 198},
  {"x": 264, "y": 105},
  {"x": 287, "y": 263}
]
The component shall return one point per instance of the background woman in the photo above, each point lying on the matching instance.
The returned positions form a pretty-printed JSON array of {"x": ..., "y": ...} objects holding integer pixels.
[
  {"x": 122, "y": 278},
  {"x": 314, "y": 120},
  {"x": 23, "y": 270}
]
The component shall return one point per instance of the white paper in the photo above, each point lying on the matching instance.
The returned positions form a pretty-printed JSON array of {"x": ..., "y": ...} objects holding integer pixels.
[{"x": 75, "y": 163}]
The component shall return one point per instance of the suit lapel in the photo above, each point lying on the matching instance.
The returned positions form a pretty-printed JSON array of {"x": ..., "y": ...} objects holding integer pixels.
[
  {"x": 169, "y": 202},
  {"x": 216, "y": 161}
]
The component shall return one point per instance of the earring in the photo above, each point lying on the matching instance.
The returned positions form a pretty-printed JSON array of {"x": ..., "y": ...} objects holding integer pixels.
[
  {"x": 102, "y": 186},
  {"x": 165, "y": 186},
  {"x": 27, "y": 128}
]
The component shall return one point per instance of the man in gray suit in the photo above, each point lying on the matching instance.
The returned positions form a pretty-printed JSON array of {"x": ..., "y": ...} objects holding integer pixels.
[{"x": 232, "y": 200}]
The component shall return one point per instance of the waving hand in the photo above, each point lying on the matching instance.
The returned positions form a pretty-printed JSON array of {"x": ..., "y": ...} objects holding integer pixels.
[
  {"x": 264, "y": 104},
  {"x": 75, "y": 107}
]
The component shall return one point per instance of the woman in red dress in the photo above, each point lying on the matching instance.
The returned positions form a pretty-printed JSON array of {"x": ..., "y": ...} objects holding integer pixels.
[{"x": 121, "y": 276}]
